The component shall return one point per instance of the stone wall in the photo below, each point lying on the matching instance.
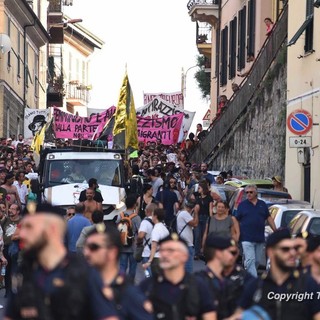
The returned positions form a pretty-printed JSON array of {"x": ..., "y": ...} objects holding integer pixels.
[{"x": 256, "y": 144}]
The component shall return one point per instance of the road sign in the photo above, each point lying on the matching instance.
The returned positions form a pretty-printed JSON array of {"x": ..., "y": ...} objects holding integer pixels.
[
  {"x": 300, "y": 142},
  {"x": 207, "y": 115},
  {"x": 299, "y": 122},
  {"x": 300, "y": 153},
  {"x": 206, "y": 123}
]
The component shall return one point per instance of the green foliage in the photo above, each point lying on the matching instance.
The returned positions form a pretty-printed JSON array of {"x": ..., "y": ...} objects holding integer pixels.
[{"x": 203, "y": 78}]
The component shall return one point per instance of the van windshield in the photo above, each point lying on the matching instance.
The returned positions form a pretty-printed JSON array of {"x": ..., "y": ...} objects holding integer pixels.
[{"x": 107, "y": 172}]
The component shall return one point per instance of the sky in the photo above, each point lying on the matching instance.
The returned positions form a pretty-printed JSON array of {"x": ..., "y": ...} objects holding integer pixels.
[{"x": 154, "y": 39}]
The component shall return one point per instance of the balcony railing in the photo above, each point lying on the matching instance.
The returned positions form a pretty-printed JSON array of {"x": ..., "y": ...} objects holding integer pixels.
[
  {"x": 203, "y": 33},
  {"x": 206, "y": 149},
  {"x": 193, "y": 3},
  {"x": 78, "y": 92}
]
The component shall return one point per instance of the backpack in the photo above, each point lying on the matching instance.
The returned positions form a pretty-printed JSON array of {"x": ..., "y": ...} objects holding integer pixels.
[
  {"x": 124, "y": 226},
  {"x": 135, "y": 185},
  {"x": 173, "y": 227}
]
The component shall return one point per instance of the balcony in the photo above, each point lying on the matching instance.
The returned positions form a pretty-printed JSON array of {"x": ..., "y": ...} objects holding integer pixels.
[
  {"x": 77, "y": 94},
  {"x": 204, "y": 11},
  {"x": 203, "y": 39}
]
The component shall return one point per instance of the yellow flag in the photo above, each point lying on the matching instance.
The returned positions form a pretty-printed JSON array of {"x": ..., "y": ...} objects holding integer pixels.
[
  {"x": 38, "y": 140},
  {"x": 125, "y": 116}
]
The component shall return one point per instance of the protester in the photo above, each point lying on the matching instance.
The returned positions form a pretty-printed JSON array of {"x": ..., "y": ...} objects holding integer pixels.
[
  {"x": 75, "y": 226},
  {"x": 91, "y": 205},
  {"x": 93, "y": 184}
]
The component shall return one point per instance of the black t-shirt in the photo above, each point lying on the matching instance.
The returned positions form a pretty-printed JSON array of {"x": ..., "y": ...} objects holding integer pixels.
[
  {"x": 97, "y": 196},
  {"x": 204, "y": 204}
]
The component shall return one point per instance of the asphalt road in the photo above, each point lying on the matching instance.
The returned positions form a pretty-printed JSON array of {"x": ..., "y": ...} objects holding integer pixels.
[{"x": 198, "y": 265}]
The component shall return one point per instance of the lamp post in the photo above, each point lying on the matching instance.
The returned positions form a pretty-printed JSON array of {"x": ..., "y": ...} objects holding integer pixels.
[{"x": 184, "y": 80}]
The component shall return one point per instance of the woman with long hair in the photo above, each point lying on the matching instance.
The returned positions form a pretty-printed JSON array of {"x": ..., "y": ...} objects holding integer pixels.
[
  {"x": 145, "y": 199},
  {"x": 204, "y": 209}
]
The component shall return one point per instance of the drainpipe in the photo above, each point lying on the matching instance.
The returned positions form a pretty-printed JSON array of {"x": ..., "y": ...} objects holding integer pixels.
[
  {"x": 218, "y": 52},
  {"x": 25, "y": 48}
]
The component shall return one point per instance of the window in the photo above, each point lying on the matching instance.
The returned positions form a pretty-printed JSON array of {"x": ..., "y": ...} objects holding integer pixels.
[
  {"x": 251, "y": 26},
  {"x": 36, "y": 75},
  {"x": 217, "y": 52},
  {"x": 19, "y": 57},
  {"x": 242, "y": 39},
  {"x": 306, "y": 27},
  {"x": 224, "y": 57},
  {"x": 9, "y": 53},
  {"x": 233, "y": 48},
  {"x": 308, "y": 45}
]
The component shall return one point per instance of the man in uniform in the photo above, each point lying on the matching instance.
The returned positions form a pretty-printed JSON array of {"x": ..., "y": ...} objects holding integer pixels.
[
  {"x": 176, "y": 294},
  {"x": 50, "y": 283},
  {"x": 284, "y": 292},
  {"x": 102, "y": 251},
  {"x": 218, "y": 255},
  {"x": 238, "y": 279}
]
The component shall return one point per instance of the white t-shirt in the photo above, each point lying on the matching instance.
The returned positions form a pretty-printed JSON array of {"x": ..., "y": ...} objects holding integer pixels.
[
  {"x": 147, "y": 227},
  {"x": 155, "y": 185},
  {"x": 158, "y": 233},
  {"x": 183, "y": 218}
]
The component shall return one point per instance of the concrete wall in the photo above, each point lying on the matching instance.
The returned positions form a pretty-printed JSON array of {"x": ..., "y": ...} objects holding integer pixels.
[{"x": 256, "y": 144}]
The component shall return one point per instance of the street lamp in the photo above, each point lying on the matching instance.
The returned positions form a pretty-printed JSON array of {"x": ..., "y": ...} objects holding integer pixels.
[{"x": 184, "y": 79}]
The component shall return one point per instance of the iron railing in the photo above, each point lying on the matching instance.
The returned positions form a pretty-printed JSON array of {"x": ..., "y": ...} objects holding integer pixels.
[
  {"x": 78, "y": 92},
  {"x": 193, "y": 3},
  {"x": 220, "y": 128}
]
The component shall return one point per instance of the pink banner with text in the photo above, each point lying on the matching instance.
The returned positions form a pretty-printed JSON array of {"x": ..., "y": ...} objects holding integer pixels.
[
  {"x": 69, "y": 126},
  {"x": 166, "y": 128}
]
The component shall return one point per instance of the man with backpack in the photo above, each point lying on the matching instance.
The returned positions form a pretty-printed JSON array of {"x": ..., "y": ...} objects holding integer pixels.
[
  {"x": 144, "y": 235},
  {"x": 176, "y": 294},
  {"x": 186, "y": 220},
  {"x": 128, "y": 224}
]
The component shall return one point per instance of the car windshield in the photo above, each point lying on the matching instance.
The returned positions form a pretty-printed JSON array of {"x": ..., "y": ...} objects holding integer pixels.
[
  {"x": 107, "y": 172},
  {"x": 314, "y": 227}
]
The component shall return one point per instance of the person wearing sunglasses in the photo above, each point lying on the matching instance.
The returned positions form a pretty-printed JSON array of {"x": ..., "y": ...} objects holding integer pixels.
[
  {"x": 49, "y": 273},
  {"x": 252, "y": 214},
  {"x": 102, "y": 251},
  {"x": 218, "y": 255},
  {"x": 283, "y": 292},
  {"x": 238, "y": 278}
]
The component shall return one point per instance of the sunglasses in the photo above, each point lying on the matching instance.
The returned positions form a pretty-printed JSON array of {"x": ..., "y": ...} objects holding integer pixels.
[
  {"x": 93, "y": 246},
  {"x": 70, "y": 214},
  {"x": 287, "y": 249},
  {"x": 249, "y": 192},
  {"x": 234, "y": 253}
]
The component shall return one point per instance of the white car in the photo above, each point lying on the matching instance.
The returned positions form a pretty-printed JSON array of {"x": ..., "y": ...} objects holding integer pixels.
[{"x": 282, "y": 214}]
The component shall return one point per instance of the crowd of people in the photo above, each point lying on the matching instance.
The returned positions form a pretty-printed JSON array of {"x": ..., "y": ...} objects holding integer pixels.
[{"x": 141, "y": 264}]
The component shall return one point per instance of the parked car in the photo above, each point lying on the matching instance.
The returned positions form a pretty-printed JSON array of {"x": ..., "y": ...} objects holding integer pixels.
[
  {"x": 225, "y": 192},
  {"x": 263, "y": 194},
  {"x": 282, "y": 214},
  {"x": 260, "y": 183},
  {"x": 306, "y": 220}
]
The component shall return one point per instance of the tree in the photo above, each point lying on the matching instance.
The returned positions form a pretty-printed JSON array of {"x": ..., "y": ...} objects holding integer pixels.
[{"x": 203, "y": 78}]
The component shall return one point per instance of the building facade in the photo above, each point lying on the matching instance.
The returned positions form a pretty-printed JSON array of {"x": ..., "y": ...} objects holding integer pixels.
[
  {"x": 23, "y": 68},
  {"x": 228, "y": 31},
  {"x": 302, "y": 136}
]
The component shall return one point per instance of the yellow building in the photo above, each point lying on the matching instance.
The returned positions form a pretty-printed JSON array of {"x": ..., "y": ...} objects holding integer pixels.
[
  {"x": 69, "y": 55},
  {"x": 302, "y": 147},
  {"x": 23, "y": 67},
  {"x": 227, "y": 32}
]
